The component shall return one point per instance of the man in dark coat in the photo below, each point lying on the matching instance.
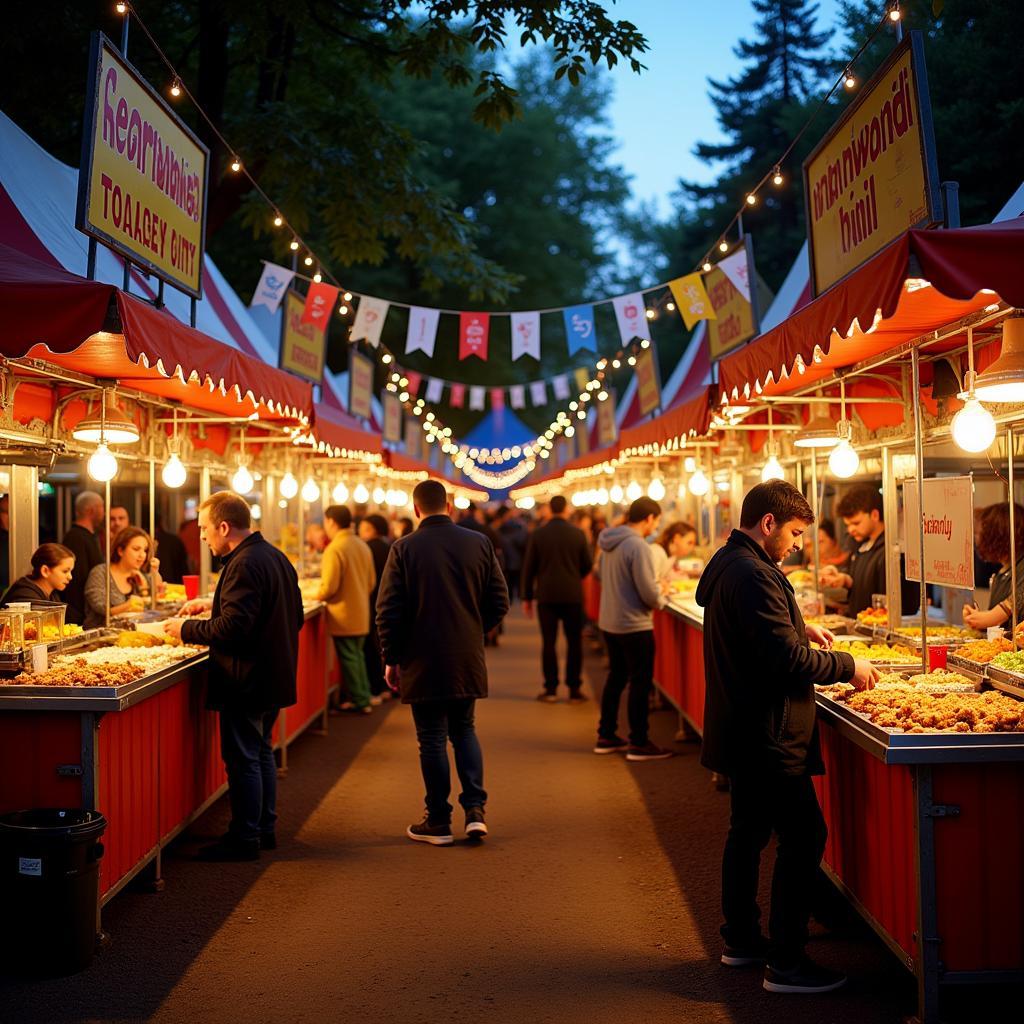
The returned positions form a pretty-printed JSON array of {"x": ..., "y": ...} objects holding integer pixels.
[
  {"x": 442, "y": 591},
  {"x": 760, "y": 730},
  {"x": 557, "y": 561},
  {"x": 253, "y": 636},
  {"x": 82, "y": 540}
]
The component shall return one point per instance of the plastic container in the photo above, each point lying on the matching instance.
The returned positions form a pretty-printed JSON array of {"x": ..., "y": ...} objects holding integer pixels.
[
  {"x": 191, "y": 584},
  {"x": 49, "y": 889}
]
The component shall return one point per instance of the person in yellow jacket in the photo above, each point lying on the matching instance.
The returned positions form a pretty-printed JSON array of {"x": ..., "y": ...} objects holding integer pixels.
[{"x": 347, "y": 578}]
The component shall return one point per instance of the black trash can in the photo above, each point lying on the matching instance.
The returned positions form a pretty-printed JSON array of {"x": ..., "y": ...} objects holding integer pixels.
[{"x": 49, "y": 889}]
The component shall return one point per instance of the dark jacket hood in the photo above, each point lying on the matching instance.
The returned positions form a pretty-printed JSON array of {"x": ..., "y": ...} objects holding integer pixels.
[{"x": 613, "y": 536}]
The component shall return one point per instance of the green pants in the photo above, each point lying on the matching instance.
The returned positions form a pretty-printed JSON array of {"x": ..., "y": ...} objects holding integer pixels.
[{"x": 353, "y": 669}]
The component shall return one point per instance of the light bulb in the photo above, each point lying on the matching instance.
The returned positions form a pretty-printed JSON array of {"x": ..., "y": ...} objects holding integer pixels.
[
  {"x": 256, "y": 511},
  {"x": 848, "y": 80},
  {"x": 616, "y": 494},
  {"x": 579, "y": 499},
  {"x": 360, "y": 495},
  {"x": 974, "y": 430},
  {"x": 278, "y": 221},
  {"x": 773, "y": 470},
  {"x": 462, "y": 502},
  {"x": 293, "y": 244},
  {"x": 242, "y": 482},
  {"x": 175, "y": 88},
  {"x": 602, "y": 496},
  {"x": 656, "y": 489},
  {"x": 379, "y": 495},
  {"x": 751, "y": 199},
  {"x": 777, "y": 176},
  {"x": 526, "y": 503},
  {"x": 706, "y": 267},
  {"x": 310, "y": 491},
  {"x": 340, "y": 494},
  {"x": 318, "y": 277},
  {"x": 723, "y": 246},
  {"x": 289, "y": 486},
  {"x": 844, "y": 460},
  {"x": 174, "y": 472},
  {"x": 699, "y": 484},
  {"x": 102, "y": 465},
  {"x": 634, "y": 490},
  {"x": 401, "y": 499},
  {"x": 236, "y": 165}
]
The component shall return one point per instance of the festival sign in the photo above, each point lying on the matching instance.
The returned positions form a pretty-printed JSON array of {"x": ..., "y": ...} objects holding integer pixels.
[
  {"x": 648, "y": 384},
  {"x": 875, "y": 174},
  {"x": 948, "y": 531},
  {"x": 143, "y": 178},
  {"x": 302, "y": 345},
  {"x": 360, "y": 385},
  {"x": 392, "y": 418},
  {"x": 732, "y": 290},
  {"x": 607, "y": 430}
]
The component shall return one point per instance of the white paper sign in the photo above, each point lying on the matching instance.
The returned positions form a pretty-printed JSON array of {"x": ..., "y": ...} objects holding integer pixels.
[
  {"x": 560, "y": 386},
  {"x": 948, "y": 531},
  {"x": 476, "y": 397},
  {"x": 517, "y": 396},
  {"x": 422, "y": 333},
  {"x": 631, "y": 315},
  {"x": 435, "y": 389},
  {"x": 525, "y": 335},
  {"x": 370, "y": 319},
  {"x": 538, "y": 392}
]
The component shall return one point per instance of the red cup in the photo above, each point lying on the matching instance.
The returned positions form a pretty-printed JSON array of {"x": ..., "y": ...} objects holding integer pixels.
[
  {"x": 192, "y": 588},
  {"x": 936, "y": 657}
]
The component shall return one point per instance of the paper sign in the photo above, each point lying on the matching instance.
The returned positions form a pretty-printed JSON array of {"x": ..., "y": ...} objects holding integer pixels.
[
  {"x": 302, "y": 345},
  {"x": 525, "y": 335},
  {"x": 648, "y": 387},
  {"x": 360, "y": 385},
  {"x": 631, "y": 315},
  {"x": 392, "y": 418},
  {"x": 948, "y": 531}
]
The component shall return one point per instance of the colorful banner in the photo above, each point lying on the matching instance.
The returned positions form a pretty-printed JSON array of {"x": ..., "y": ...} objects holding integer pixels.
[
  {"x": 525, "y": 335},
  {"x": 607, "y": 429},
  {"x": 560, "y": 387},
  {"x": 580, "y": 329},
  {"x": 583, "y": 430},
  {"x": 874, "y": 175},
  {"x": 517, "y": 396},
  {"x": 302, "y": 345},
  {"x": 413, "y": 438},
  {"x": 582, "y": 378},
  {"x": 538, "y": 393},
  {"x": 319, "y": 305},
  {"x": 648, "y": 386},
  {"x": 414, "y": 379},
  {"x": 142, "y": 183},
  {"x": 435, "y": 390},
  {"x": 734, "y": 321},
  {"x": 457, "y": 396},
  {"x": 273, "y": 285},
  {"x": 477, "y": 395},
  {"x": 422, "y": 333},
  {"x": 631, "y": 315},
  {"x": 370, "y": 319},
  {"x": 360, "y": 385},
  {"x": 392, "y": 418},
  {"x": 497, "y": 398},
  {"x": 691, "y": 299},
  {"x": 737, "y": 268},
  {"x": 948, "y": 531},
  {"x": 473, "y": 332}
]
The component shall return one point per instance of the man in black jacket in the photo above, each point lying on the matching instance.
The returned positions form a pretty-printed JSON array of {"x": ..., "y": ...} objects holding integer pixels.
[
  {"x": 81, "y": 539},
  {"x": 442, "y": 591},
  {"x": 760, "y": 730},
  {"x": 557, "y": 561},
  {"x": 253, "y": 636}
]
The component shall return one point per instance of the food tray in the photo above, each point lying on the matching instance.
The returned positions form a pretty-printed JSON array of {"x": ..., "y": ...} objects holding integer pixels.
[
  {"x": 883, "y": 666},
  {"x": 891, "y": 636},
  {"x": 975, "y": 675},
  {"x": 1005, "y": 680},
  {"x": 18, "y": 660}
]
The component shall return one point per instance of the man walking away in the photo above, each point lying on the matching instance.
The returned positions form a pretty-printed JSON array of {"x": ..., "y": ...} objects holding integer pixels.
[
  {"x": 347, "y": 579},
  {"x": 513, "y": 534},
  {"x": 442, "y": 591},
  {"x": 557, "y": 561},
  {"x": 760, "y": 730},
  {"x": 81, "y": 539},
  {"x": 253, "y": 636},
  {"x": 629, "y": 595}
]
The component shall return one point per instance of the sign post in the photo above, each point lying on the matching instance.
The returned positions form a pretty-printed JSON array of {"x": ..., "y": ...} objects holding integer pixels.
[{"x": 948, "y": 531}]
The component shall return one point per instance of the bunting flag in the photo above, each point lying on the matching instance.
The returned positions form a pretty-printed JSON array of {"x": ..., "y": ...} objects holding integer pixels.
[
  {"x": 360, "y": 384},
  {"x": 648, "y": 387},
  {"x": 319, "y": 305},
  {"x": 271, "y": 289},
  {"x": 580, "y": 329},
  {"x": 631, "y": 315},
  {"x": 517, "y": 396},
  {"x": 560, "y": 386},
  {"x": 435, "y": 389},
  {"x": 414, "y": 380},
  {"x": 476, "y": 397},
  {"x": 392, "y": 418},
  {"x": 525, "y": 335},
  {"x": 370, "y": 319},
  {"x": 413, "y": 438},
  {"x": 692, "y": 299},
  {"x": 457, "y": 398},
  {"x": 582, "y": 378},
  {"x": 497, "y": 398},
  {"x": 538, "y": 393},
  {"x": 737, "y": 268},
  {"x": 607, "y": 430},
  {"x": 422, "y": 333},
  {"x": 583, "y": 433},
  {"x": 473, "y": 331}
]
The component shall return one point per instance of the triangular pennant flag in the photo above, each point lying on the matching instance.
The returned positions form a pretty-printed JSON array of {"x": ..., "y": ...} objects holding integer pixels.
[
  {"x": 692, "y": 299},
  {"x": 476, "y": 397},
  {"x": 435, "y": 389},
  {"x": 631, "y": 315},
  {"x": 737, "y": 269},
  {"x": 560, "y": 386},
  {"x": 370, "y": 319},
  {"x": 538, "y": 393},
  {"x": 457, "y": 398},
  {"x": 580, "y": 329},
  {"x": 525, "y": 335},
  {"x": 422, "y": 333},
  {"x": 473, "y": 331},
  {"x": 414, "y": 382},
  {"x": 582, "y": 378},
  {"x": 319, "y": 305},
  {"x": 517, "y": 396},
  {"x": 497, "y": 398},
  {"x": 273, "y": 284}
]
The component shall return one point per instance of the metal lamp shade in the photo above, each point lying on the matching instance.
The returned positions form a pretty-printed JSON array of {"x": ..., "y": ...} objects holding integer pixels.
[{"x": 1003, "y": 381}]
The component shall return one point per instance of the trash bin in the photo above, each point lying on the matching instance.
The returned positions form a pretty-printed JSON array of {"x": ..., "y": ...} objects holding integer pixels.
[{"x": 49, "y": 889}]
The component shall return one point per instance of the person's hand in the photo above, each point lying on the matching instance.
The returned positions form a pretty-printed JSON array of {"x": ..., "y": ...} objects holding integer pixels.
[
  {"x": 393, "y": 677},
  {"x": 825, "y": 637},
  {"x": 172, "y": 627},
  {"x": 528, "y": 609},
  {"x": 154, "y": 564},
  {"x": 830, "y": 576},
  {"x": 974, "y": 617},
  {"x": 865, "y": 675},
  {"x": 196, "y": 606},
  {"x": 136, "y": 603}
]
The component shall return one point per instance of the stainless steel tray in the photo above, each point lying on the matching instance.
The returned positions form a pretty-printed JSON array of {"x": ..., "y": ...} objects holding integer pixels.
[{"x": 1005, "y": 680}]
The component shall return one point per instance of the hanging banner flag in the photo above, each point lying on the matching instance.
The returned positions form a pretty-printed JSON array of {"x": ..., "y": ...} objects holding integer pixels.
[
  {"x": 392, "y": 418},
  {"x": 737, "y": 269},
  {"x": 302, "y": 345},
  {"x": 360, "y": 384},
  {"x": 538, "y": 393},
  {"x": 582, "y": 378},
  {"x": 413, "y": 438},
  {"x": 414, "y": 380},
  {"x": 476, "y": 397},
  {"x": 273, "y": 284},
  {"x": 517, "y": 396},
  {"x": 422, "y": 333},
  {"x": 631, "y": 315},
  {"x": 583, "y": 430},
  {"x": 736, "y": 315},
  {"x": 691, "y": 299},
  {"x": 457, "y": 398},
  {"x": 560, "y": 386},
  {"x": 525, "y": 335},
  {"x": 370, "y": 319},
  {"x": 473, "y": 331},
  {"x": 435, "y": 389},
  {"x": 607, "y": 430},
  {"x": 319, "y": 305},
  {"x": 580, "y": 329},
  {"x": 497, "y": 398},
  {"x": 648, "y": 386}
]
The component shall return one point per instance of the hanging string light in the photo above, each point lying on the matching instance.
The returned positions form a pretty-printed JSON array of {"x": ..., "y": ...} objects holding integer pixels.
[{"x": 973, "y": 427}]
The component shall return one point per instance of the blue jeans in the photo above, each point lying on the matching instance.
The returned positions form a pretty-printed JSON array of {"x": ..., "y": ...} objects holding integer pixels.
[
  {"x": 438, "y": 721},
  {"x": 247, "y": 749}
]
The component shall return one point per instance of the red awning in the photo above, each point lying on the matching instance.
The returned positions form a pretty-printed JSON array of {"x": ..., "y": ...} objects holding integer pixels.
[
  {"x": 341, "y": 431},
  {"x": 690, "y": 418},
  {"x": 921, "y": 282}
]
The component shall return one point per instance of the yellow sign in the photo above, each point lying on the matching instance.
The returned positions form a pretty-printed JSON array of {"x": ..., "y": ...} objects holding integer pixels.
[
  {"x": 607, "y": 430},
  {"x": 302, "y": 345},
  {"x": 874, "y": 176},
  {"x": 734, "y": 316},
  {"x": 360, "y": 385},
  {"x": 142, "y": 184},
  {"x": 692, "y": 299},
  {"x": 648, "y": 388}
]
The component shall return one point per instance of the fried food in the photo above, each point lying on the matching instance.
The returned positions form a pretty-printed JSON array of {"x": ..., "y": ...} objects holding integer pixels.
[
  {"x": 909, "y": 710},
  {"x": 882, "y": 653},
  {"x": 937, "y": 632},
  {"x": 983, "y": 651}
]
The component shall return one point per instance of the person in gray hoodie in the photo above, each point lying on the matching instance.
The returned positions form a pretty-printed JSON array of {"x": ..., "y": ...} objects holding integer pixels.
[{"x": 629, "y": 595}]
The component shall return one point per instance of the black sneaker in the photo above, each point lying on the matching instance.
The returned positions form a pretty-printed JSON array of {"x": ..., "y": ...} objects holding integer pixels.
[
  {"x": 648, "y": 752},
  {"x": 806, "y": 978},
  {"x": 230, "y": 850},
  {"x": 610, "y": 746},
  {"x": 577, "y": 697},
  {"x": 746, "y": 954},
  {"x": 435, "y": 834},
  {"x": 547, "y": 697},
  {"x": 476, "y": 827}
]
